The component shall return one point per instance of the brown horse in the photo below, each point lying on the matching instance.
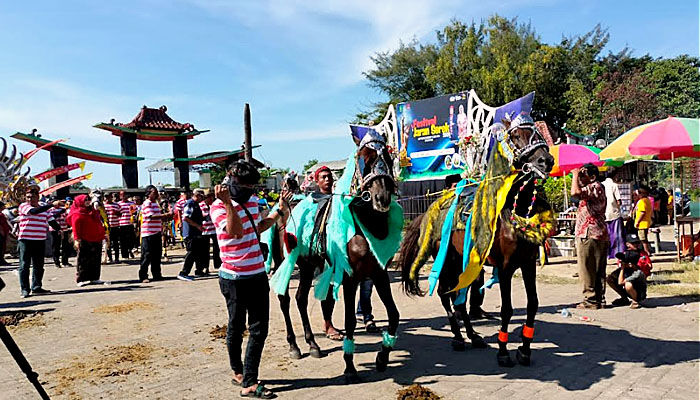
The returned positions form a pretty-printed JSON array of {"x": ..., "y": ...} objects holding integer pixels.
[
  {"x": 374, "y": 186},
  {"x": 510, "y": 249}
]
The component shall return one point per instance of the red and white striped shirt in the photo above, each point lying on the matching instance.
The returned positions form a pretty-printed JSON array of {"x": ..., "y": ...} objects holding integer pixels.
[
  {"x": 208, "y": 224},
  {"x": 241, "y": 257},
  {"x": 33, "y": 227},
  {"x": 112, "y": 210},
  {"x": 125, "y": 207},
  {"x": 180, "y": 205},
  {"x": 149, "y": 225},
  {"x": 59, "y": 214}
]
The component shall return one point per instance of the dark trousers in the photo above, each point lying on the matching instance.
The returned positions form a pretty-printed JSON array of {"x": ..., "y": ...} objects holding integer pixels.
[
  {"x": 61, "y": 247},
  {"x": 364, "y": 304},
  {"x": 114, "y": 241},
  {"x": 31, "y": 253},
  {"x": 215, "y": 256},
  {"x": 151, "y": 251},
  {"x": 197, "y": 253},
  {"x": 246, "y": 298},
  {"x": 126, "y": 237},
  {"x": 89, "y": 265}
]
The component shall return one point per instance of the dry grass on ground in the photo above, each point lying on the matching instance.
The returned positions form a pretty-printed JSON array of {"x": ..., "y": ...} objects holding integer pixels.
[
  {"x": 22, "y": 319},
  {"x": 416, "y": 392},
  {"x": 678, "y": 280},
  {"x": 93, "y": 368},
  {"x": 123, "y": 307}
]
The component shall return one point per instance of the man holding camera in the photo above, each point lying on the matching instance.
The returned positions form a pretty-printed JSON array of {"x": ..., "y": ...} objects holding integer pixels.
[{"x": 242, "y": 276}]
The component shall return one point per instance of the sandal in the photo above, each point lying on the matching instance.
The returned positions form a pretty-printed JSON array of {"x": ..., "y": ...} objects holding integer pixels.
[
  {"x": 261, "y": 392},
  {"x": 371, "y": 327},
  {"x": 337, "y": 335}
]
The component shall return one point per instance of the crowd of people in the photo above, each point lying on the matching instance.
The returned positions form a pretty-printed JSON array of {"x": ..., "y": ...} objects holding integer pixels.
[{"x": 601, "y": 235}]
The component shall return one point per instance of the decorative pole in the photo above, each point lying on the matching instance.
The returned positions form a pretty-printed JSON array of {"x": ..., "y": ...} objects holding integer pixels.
[{"x": 248, "y": 134}]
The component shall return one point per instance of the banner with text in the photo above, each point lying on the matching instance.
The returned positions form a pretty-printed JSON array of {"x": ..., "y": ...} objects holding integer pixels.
[{"x": 429, "y": 132}]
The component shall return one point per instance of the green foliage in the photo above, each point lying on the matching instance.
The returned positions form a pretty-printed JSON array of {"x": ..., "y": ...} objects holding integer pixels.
[
  {"x": 310, "y": 164},
  {"x": 554, "y": 192},
  {"x": 79, "y": 186},
  {"x": 218, "y": 173},
  {"x": 662, "y": 173},
  {"x": 675, "y": 83},
  {"x": 194, "y": 185}
]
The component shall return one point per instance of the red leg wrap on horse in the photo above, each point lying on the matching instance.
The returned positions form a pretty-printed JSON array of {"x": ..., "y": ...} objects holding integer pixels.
[
  {"x": 503, "y": 337},
  {"x": 528, "y": 332}
]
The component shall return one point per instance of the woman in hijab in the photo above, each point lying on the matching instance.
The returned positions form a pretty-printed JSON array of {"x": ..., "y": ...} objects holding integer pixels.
[{"x": 88, "y": 232}]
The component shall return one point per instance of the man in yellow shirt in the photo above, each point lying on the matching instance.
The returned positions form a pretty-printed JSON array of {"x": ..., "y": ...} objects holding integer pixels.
[{"x": 642, "y": 217}]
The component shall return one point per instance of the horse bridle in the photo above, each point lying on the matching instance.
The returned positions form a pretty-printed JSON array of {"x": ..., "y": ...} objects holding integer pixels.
[
  {"x": 380, "y": 167},
  {"x": 524, "y": 121}
]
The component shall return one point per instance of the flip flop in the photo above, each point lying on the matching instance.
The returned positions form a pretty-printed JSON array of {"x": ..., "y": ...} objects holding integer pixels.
[
  {"x": 337, "y": 336},
  {"x": 261, "y": 392},
  {"x": 371, "y": 327}
]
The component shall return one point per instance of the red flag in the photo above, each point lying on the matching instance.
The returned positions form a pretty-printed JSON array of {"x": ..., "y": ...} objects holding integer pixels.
[
  {"x": 42, "y": 147},
  {"x": 63, "y": 184},
  {"x": 58, "y": 171}
]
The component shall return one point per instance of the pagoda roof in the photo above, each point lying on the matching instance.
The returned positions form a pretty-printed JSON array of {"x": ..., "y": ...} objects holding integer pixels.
[
  {"x": 77, "y": 152},
  {"x": 152, "y": 124}
]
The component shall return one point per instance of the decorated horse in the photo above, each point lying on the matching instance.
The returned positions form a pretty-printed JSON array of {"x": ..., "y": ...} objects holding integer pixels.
[
  {"x": 344, "y": 241},
  {"x": 502, "y": 219},
  {"x": 13, "y": 182}
]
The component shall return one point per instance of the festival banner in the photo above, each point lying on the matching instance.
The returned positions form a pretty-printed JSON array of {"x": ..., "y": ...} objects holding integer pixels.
[
  {"x": 428, "y": 136},
  {"x": 515, "y": 107},
  {"x": 63, "y": 184},
  {"x": 58, "y": 171}
]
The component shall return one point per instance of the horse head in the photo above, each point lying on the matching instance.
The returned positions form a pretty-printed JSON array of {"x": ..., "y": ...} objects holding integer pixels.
[
  {"x": 530, "y": 151},
  {"x": 374, "y": 171}
]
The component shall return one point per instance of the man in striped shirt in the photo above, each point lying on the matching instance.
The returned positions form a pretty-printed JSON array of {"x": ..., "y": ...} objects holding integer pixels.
[
  {"x": 113, "y": 213},
  {"x": 34, "y": 220},
  {"x": 151, "y": 239},
  {"x": 210, "y": 231},
  {"x": 127, "y": 236},
  {"x": 242, "y": 276}
]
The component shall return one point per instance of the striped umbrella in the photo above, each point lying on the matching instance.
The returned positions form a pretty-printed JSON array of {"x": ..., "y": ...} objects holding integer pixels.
[
  {"x": 568, "y": 157},
  {"x": 664, "y": 139}
]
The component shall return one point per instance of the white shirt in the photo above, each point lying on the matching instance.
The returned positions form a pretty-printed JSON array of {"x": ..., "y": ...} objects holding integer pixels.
[{"x": 612, "y": 194}]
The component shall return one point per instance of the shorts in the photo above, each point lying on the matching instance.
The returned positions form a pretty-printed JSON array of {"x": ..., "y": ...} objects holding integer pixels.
[
  {"x": 643, "y": 235},
  {"x": 639, "y": 283}
]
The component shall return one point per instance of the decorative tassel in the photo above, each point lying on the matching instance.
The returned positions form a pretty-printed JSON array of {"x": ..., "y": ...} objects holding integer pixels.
[
  {"x": 348, "y": 346},
  {"x": 388, "y": 340}
]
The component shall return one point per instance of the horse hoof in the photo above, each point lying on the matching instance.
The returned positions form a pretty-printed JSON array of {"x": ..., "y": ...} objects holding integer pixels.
[
  {"x": 351, "y": 377},
  {"x": 523, "y": 359},
  {"x": 458, "y": 345},
  {"x": 382, "y": 360},
  {"x": 315, "y": 352},
  {"x": 294, "y": 353},
  {"x": 505, "y": 361},
  {"x": 478, "y": 342}
]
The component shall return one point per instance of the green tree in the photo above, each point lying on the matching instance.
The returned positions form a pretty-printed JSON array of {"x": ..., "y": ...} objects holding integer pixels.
[
  {"x": 675, "y": 83},
  {"x": 309, "y": 164}
]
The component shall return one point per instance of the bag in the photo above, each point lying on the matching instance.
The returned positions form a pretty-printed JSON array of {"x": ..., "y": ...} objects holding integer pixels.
[{"x": 264, "y": 249}]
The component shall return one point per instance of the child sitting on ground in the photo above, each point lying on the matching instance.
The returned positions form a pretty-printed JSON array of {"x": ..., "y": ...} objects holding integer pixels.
[{"x": 630, "y": 279}]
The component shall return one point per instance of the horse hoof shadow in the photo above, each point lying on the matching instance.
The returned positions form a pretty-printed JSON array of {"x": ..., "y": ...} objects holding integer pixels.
[
  {"x": 505, "y": 361},
  {"x": 351, "y": 377},
  {"x": 523, "y": 359},
  {"x": 478, "y": 342},
  {"x": 458, "y": 345}
]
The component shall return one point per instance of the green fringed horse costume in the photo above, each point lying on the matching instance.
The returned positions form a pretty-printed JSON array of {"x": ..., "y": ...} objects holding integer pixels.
[
  {"x": 351, "y": 239},
  {"x": 504, "y": 220}
]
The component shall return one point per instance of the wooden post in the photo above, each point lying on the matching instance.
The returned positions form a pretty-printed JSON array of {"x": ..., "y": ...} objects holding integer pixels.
[
  {"x": 59, "y": 158},
  {"x": 181, "y": 168},
  {"x": 248, "y": 134}
]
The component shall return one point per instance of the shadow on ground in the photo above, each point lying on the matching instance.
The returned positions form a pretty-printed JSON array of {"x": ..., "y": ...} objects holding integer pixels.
[{"x": 575, "y": 356}]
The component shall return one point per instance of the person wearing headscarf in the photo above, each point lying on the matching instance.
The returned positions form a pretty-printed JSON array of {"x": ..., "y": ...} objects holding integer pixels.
[{"x": 88, "y": 232}]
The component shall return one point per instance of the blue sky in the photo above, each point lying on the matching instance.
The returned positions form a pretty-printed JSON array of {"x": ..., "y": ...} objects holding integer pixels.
[{"x": 70, "y": 64}]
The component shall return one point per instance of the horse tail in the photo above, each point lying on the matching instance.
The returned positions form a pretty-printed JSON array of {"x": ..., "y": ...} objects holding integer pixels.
[{"x": 407, "y": 254}]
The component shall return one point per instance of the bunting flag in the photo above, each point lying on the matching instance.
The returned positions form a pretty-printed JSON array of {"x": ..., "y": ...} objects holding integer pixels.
[
  {"x": 63, "y": 184},
  {"x": 58, "y": 171},
  {"x": 42, "y": 147}
]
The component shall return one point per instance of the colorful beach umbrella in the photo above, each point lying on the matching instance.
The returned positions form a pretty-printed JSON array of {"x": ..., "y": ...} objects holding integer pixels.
[
  {"x": 677, "y": 137},
  {"x": 568, "y": 157}
]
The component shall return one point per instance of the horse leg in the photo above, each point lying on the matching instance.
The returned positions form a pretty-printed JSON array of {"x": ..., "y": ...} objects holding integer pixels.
[
  {"x": 302, "y": 298},
  {"x": 446, "y": 300},
  {"x": 380, "y": 278},
  {"x": 505, "y": 279},
  {"x": 529, "y": 279},
  {"x": 349, "y": 289},
  {"x": 477, "y": 341},
  {"x": 294, "y": 352}
]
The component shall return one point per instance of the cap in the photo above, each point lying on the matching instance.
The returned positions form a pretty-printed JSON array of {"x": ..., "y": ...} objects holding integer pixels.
[
  {"x": 323, "y": 168},
  {"x": 632, "y": 238}
]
